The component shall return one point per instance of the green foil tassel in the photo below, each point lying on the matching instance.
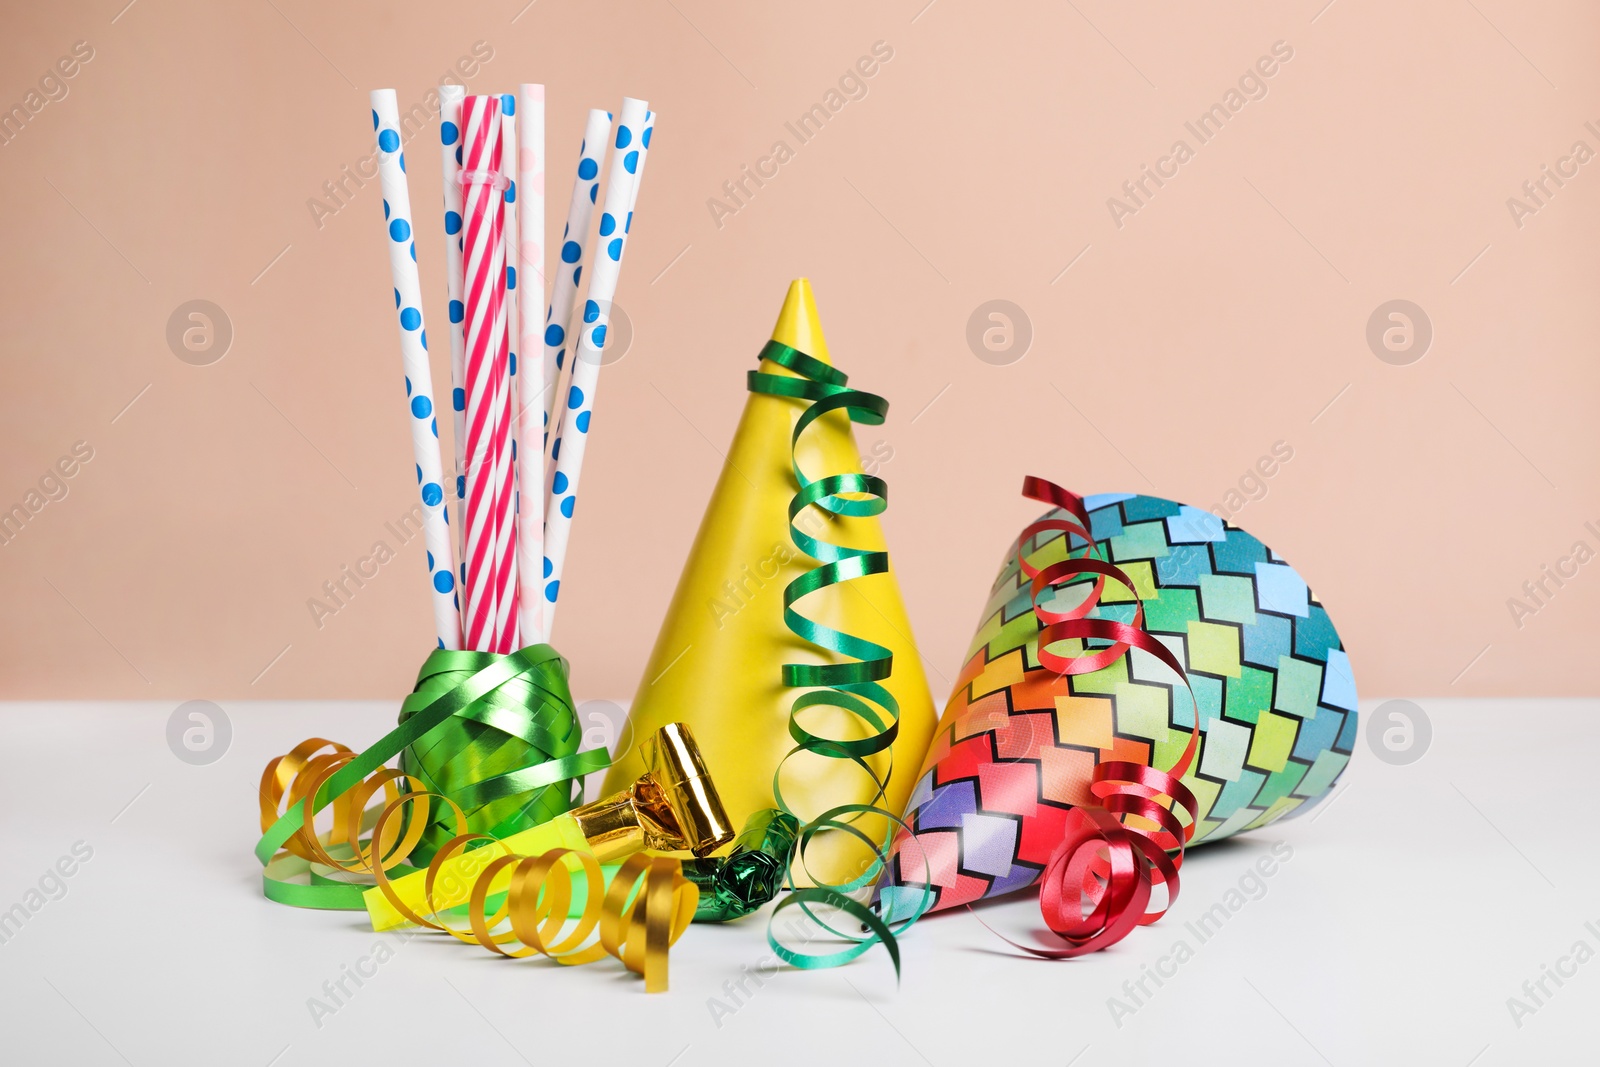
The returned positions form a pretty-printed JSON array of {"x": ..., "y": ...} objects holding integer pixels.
[{"x": 734, "y": 885}]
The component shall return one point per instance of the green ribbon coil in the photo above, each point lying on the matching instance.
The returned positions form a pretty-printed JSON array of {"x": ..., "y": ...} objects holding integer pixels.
[{"x": 853, "y": 687}]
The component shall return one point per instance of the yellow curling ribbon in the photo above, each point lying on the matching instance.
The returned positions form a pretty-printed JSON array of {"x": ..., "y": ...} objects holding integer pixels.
[
  {"x": 636, "y": 919},
  {"x": 495, "y": 732},
  {"x": 383, "y": 817}
]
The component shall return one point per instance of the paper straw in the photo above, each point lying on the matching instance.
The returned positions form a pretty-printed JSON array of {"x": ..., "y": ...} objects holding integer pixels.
[
  {"x": 638, "y": 177},
  {"x": 484, "y": 291},
  {"x": 419, "y": 378},
  {"x": 530, "y": 374},
  {"x": 564, "y": 287},
  {"x": 572, "y": 440},
  {"x": 507, "y": 617},
  {"x": 506, "y": 627},
  {"x": 512, "y": 227},
  {"x": 450, "y": 157}
]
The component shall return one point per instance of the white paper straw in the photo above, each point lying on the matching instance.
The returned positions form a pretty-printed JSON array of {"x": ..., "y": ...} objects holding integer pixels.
[
  {"x": 530, "y": 371},
  {"x": 564, "y": 285},
  {"x": 450, "y": 97},
  {"x": 512, "y": 227},
  {"x": 419, "y": 378},
  {"x": 644, "y": 144},
  {"x": 573, "y": 437}
]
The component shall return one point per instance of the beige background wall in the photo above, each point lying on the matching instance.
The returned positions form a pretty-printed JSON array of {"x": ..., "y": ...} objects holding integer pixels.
[{"x": 1227, "y": 313}]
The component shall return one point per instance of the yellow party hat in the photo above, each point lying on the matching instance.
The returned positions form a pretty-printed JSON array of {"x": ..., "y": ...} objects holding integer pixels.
[{"x": 718, "y": 659}]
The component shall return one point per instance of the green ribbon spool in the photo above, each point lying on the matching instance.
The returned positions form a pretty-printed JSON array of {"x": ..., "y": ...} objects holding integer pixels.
[
  {"x": 509, "y": 758},
  {"x": 495, "y": 733}
]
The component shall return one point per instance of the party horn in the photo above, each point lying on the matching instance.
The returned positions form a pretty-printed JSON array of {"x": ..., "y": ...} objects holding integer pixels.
[
  {"x": 718, "y": 659},
  {"x": 1018, "y": 744},
  {"x": 673, "y": 806}
]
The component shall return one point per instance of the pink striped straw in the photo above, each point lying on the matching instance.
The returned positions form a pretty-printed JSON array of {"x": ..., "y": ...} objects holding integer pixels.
[
  {"x": 484, "y": 299},
  {"x": 505, "y": 475}
]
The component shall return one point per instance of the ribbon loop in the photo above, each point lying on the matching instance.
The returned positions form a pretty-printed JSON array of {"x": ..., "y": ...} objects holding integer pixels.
[
  {"x": 853, "y": 686},
  {"x": 1098, "y": 883},
  {"x": 492, "y": 736}
]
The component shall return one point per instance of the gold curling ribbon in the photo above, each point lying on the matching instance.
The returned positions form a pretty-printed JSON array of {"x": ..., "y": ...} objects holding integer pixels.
[
  {"x": 638, "y": 917},
  {"x": 297, "y": 777}
]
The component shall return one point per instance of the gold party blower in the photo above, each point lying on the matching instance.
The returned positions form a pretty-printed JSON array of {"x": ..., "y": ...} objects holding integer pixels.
[{"x": 672, "y": 807}]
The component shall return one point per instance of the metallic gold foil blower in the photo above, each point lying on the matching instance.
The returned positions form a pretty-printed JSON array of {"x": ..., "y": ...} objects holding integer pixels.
[{"x": 672, "y": 807}]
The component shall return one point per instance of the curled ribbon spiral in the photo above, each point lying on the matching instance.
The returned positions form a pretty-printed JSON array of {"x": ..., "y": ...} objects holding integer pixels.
[
  {"x": 852, "y": 687},
  {"x": 526, "y": 901},
  {"x": 643, "y": 911},
  {"x": 507, "y": 706},
  {"x": 646, "y": 908},
  {"x": 1097, "y": 884},
  {"x": 497, "y": 731}
]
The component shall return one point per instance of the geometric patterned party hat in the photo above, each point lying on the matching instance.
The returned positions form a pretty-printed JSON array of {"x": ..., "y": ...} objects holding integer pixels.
[{"x": 1018, "y": 743}]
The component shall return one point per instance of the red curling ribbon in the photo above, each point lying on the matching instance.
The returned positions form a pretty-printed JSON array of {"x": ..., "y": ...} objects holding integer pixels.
[{"x": 1098, "y": 883}]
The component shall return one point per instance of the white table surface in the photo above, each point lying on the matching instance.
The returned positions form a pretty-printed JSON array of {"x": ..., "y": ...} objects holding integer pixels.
[{"x": 1413, "y": 906}]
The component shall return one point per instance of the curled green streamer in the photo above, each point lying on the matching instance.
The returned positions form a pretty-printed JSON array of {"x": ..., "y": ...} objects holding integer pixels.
[
  {"x": 496, "y": 733},
  {"x": 851, "y": 687}
]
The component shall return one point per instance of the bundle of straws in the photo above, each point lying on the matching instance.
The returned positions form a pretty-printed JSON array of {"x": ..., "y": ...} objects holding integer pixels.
[{"x": 518, "y": 452}]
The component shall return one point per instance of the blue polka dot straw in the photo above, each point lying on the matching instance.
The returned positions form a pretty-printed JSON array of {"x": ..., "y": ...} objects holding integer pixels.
[
  {"x": 419, "y": 379},
  {"x": 564, "y": 286},
  {"x": 634, "y": 160},
  {"x": 573, "y": 437},
  {"x": 450, "y": 97}
]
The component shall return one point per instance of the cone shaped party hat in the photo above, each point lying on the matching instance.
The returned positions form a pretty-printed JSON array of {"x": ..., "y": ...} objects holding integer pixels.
[
  {"x": 718, "y": 659},
  {"x": 1018, "y": 743}
]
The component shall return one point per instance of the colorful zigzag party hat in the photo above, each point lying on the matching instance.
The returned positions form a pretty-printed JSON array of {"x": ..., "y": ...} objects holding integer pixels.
[{"x": 1018, "y": 743}]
